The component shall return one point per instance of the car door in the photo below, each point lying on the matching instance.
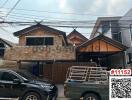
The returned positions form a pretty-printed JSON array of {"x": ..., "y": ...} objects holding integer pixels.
[
  {"x": 6, "y": 83},
  {"x": 2, "y": 94}
]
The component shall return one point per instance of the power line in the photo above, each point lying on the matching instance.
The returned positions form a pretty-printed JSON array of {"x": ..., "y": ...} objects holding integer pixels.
[
  {"x": 16, "y": 18},
  {"x": 4, "y": 4},
  {"x": 82, "y": 14},
  {"x": 57, "y": 24},
  {"x": 12, "y": 8},
  {"x": 38, "y": 17},
  {"x": 29, "y": 10},
  {"x": 61, "y": 21},
  {"x": 6, "y": 32},
  {"x": 32, "y": 16}
]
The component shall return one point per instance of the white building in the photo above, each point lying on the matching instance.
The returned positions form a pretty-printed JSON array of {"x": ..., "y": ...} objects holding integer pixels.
[{"x": 126, "y": 33}]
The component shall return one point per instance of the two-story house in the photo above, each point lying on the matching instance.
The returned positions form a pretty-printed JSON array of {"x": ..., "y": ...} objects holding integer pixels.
[{"x": 40, "y": 44}]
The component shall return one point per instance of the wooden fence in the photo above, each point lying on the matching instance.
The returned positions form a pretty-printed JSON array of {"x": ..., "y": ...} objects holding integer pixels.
[{"x": 57, "y": 71}]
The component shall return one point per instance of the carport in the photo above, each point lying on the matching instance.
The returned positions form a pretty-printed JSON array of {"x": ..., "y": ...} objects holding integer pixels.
[{"x": 102, "y": 50}]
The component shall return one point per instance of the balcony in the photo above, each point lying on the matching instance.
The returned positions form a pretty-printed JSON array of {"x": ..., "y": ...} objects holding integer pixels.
[{"x": 44, "y": 53}]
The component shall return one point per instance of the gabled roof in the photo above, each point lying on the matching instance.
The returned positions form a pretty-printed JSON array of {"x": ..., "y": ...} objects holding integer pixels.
[
  {"x": 75, "y": 32},
  {"x": 34, "y": 27},
  {"x": 106, "y": 39},
  {"x": 10, "y": 44},
  {"x": 98, "y": 23}
]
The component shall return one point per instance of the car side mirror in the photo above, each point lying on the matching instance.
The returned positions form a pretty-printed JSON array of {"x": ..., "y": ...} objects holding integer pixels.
[{"x": 17, "y": 81}]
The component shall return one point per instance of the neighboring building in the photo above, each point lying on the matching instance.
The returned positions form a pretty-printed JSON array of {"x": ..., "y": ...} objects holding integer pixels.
[
  {"x": 126, "y": 32},
  {"x": 109, "y": 26},
  {"x": 3, "y": 45},
  {"x": 75, "y": 38}
]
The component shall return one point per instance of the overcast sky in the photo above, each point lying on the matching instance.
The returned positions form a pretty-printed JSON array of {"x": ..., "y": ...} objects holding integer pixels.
[{"x": 30, "y": 10}]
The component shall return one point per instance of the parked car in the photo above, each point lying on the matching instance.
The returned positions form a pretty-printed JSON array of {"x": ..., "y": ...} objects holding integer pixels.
[{"x": 22, "y": 84}]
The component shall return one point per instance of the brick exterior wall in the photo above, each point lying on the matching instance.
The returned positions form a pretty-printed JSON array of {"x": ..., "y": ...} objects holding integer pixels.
[
  {"x": 55, "y": 52},
  {"x": 40, "y": 53},
  {"x": 40, "y": 32}
]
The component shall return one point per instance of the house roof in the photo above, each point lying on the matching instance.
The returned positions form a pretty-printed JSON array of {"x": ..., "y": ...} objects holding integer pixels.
[
  {"x": 98, "y": 23},
  {"x": 106, "y": 39},
  {"x": 75, "y": 32},
  {"x": 10, "y": 44},
  {"x": 34, "y": 27}
]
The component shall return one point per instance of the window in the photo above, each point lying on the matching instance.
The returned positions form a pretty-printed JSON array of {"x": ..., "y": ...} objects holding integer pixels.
[
  {"x": 2, "y": 47},
  {"x": 36, "y": 41},
  {"x": 105, "y": 26},
  {"x": 131, "y": 31},
  {"x": 129, "y": 57},
  {"x": 8, "y": 76},
  {"x": 48, "y": 40},
  {"x": 117, "y": 36},
  {"x": 1, "y": 73},
  {"x": 115, "y": 27}
]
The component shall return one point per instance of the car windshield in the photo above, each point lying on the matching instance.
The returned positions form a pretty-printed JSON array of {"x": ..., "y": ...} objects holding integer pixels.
[{"x": 27, "y": 75}]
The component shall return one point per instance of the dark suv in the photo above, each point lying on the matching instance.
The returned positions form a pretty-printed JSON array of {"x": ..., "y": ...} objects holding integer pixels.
[{"x": 24, "y": 85}]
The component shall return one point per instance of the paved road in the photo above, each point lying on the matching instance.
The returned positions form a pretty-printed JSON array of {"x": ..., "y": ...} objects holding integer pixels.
[{"x": 60, "y": 95}]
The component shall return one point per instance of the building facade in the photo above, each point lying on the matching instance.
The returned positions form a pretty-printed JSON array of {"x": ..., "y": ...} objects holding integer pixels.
[
  {"x": 3, "y": 45},
  {"x": 40, "y": 43},
  {"x": 126, "y": 33},
  {"x": 110, "y": 27}
]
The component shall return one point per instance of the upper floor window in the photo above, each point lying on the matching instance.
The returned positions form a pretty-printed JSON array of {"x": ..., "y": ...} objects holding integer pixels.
[
  {"x": 36, "y": 41},
  {"x": 117, "y": 36},
  {"x": 129, "y": 57},
  {"x": 115, "y": 27},
  {"x": 105, "y": 26},
  {"x": 131, "y": 31}
]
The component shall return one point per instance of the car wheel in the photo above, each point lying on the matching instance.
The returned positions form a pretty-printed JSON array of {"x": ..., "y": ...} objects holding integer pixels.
[
  {"x": 31, "y": 96},
  {"x": 90, "y": 96}
]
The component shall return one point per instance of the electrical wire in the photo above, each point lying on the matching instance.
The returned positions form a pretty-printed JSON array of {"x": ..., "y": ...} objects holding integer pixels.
[
  {"x": 39, "y": 17},
  {"x": 7, "y": 32},
  {"x": 61, "y": 25},
  {"x": 4, "y": 4},
  {"x": 12, "y": 9},
  {"x": 29, "y": 10},
  {"x": 53, "y": 18}
]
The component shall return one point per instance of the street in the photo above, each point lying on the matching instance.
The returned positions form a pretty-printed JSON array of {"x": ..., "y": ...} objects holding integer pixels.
[{"x": 60, "y": 94}]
